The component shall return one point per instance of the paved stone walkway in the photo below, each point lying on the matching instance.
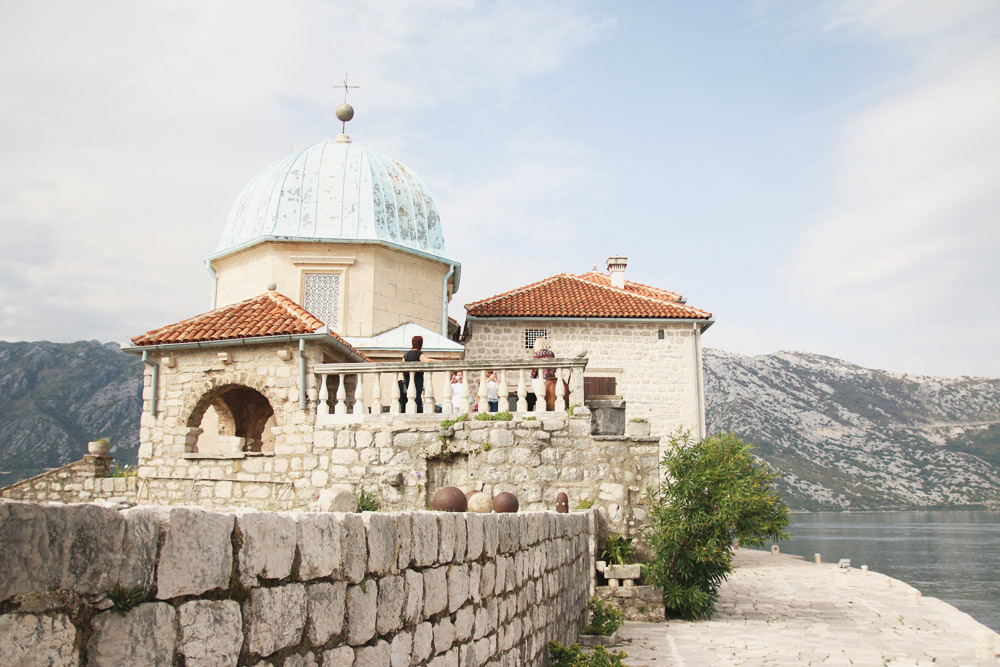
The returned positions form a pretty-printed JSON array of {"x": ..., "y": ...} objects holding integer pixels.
[{"x": 782, "y": 610}]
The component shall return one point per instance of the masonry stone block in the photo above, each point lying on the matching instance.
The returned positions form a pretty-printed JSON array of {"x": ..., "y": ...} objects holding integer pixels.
[
  {"x": 142, "y": 531},
  {"x": 423, "y": 643},
  {"x": 435, "y": 590},
  {"x": 326, "y": 604},
  {"x": 211, "y": 632},
  {"x": 491, "y": 534},
  {"x": 362, "y": 603},
  {"x": 446, "y": 536},
  {"x": 401, "y": 650},
  {"x": 458, "y": 586},
  {"x": 354, "y": 546},
  {"x": 275, "y": 618},
  {"x": 425, "y": 539},
  {"x": 381, "y": 535},
  {"x": 391, "y": 598},
  {"x": 144, "y": 635},
  {"x": 197, "y": 553},
  {"x": 342, "y": 656},
  {"x": 319, "y": 545},
  {"x": 444, "y": 635},
  {"x": 404, "y": 540},
  {"x": 414, "y": 606},
  {"x": 268, "y": 546},
  {"x": 474, "y": 536},
  {"x": 464, "y": 622},
  {"x": 449, "y": 659},
  {"x": 28, "y": 640},
  {"x": 296, "y": 660}
]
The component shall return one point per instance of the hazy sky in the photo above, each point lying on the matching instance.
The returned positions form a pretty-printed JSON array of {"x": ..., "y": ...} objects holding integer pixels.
[{"x": 823, "y": 177}]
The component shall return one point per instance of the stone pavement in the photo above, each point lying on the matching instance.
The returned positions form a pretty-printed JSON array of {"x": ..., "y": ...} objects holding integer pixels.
[{"x": 783, "y": 610}]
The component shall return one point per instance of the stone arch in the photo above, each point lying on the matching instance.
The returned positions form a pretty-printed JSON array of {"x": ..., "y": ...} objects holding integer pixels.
[{"x": 240, "y": 411}]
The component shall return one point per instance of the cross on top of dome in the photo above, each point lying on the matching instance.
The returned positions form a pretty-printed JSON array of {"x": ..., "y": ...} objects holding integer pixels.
[{"x": 345, "y": 112}]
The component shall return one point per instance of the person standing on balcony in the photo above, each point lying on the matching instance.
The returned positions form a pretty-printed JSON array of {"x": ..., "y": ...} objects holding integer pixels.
[
  {"x": 456, "y": 391},
  {"x": 542, "y": 351},
  {"x": 415, "y": 354},
  {"x": 491, "y": 391}
]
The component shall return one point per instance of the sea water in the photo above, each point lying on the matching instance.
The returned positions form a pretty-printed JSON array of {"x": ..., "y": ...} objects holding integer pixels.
[{"x": 954, "y": 556}]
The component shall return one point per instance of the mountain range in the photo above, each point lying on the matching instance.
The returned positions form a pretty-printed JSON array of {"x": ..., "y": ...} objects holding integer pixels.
[{"x": 841, "y": 437}]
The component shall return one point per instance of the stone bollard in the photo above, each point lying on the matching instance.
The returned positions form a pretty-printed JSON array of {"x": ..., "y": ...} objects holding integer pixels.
[
  {"x": 818, "y": 558},
  {"x": 775, "y": 549}
]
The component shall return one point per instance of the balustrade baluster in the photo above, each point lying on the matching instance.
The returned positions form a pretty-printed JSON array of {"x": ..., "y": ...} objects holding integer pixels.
[
  {"x": 522, "y": 392},
  {"x": 560, "y": 405},
  {"x": 341, "y": 408},
  {"x": 464, "y": 407},
  {"x": 429, "y": 401},
  {"x": 446, "y": 404},
  {"x": 538, "y": 387},
  {"x": 481, "y": 401},
  {"x": 377, "y": 394},
  {"x": 411, "y": 394},
  {"x": 502, "y": 392},
  {"x": 394, "y": 395},
  {"x": 359, "y": 397},
  {"x": 324, "y": 396}
]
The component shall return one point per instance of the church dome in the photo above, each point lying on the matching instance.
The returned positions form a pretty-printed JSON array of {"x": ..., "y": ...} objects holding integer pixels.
[{"x": 335, "y": 191}]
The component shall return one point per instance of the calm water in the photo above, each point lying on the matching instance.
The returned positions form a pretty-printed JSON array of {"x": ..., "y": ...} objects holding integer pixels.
[{"x": 954, "y": 556}]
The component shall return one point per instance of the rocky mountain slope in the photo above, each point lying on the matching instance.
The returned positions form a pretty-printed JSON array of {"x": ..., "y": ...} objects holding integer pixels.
[
  {"x": 847, "y": 437},
  {"x": 842, "y": 436},
  {"x": 55, "y": 397}
]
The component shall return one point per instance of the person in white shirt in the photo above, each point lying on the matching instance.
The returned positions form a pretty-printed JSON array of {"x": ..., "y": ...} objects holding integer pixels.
[{"x": 491, "y": 391}]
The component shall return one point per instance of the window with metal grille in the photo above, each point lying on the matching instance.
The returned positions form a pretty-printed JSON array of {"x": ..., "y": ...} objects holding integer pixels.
[
  {"x": 322, "y": 297},
  {"x": 531, "y": 335}
]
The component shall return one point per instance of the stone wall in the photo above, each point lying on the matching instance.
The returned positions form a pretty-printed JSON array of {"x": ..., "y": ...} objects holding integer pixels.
[
  {"x": 85, "y": 480},
  {"x": 658, "y": 378},
  {"x": 86, "y": 584},
  {"x": 404, "y": 460}
]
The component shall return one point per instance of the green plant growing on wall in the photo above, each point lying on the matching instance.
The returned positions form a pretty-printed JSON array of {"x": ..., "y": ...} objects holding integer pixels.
[
  {"x": 639, "y": 420},
  {"x": 126, "y": 470},
  {"x": 368, "y": 502},
  {"x": 571, "y": 409},
  {"x": 584, "y": 504},
  {"x": 617, "y": 549},
  {"x": 448, "y": 423},
  {"x": 494, "y": 417},
  {"x": 561, "y": 655},
  {"x": 712, "y": 493},
  {"x": 124, "y": 599},
  {"x": 605, "y": 618}
]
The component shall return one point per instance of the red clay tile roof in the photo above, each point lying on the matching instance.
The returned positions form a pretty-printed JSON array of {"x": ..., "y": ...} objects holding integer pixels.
[
  {"x": 587, "y": 295},
  {"x": 270, "y": 314}
]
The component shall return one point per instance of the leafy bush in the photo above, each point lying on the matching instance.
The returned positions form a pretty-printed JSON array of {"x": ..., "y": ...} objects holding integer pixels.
[
  {"x": 368, "y": 502},
  {"x": 605, "y": 618},
  {"x": 712, "y": 493},
  {"x": 448, "y": 423},
  {"x": 573, "y": 656},
  {"x": 494, "y": 417},
  {"x": 617, "y": 549},
  {"x": 584, "y": 504}
]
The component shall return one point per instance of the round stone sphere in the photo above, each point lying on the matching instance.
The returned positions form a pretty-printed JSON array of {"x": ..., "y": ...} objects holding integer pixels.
[
  {"x": 505, "y": 502},
  {"x": 345, "y": 112},
  {"x": 562, "y": 503},
  {"x": 449, "y": 499},
  {"x": 470, "y": 493},
  {"x": 481, "y": 503}
]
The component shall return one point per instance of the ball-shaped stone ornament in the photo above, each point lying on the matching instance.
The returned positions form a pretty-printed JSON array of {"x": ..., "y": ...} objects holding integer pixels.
[
  {"x": 345, "y": 112},
  {"x": 470, "y": 493},
  {"x": 449, "y": 499},
  {"x": 505, "y": 502},
  {"x": 481, "y": 503},
  {"x": 562, "y": 503}
]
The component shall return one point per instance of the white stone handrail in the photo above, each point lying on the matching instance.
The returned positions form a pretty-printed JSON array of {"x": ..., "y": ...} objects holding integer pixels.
[{"x": 377, "y": 387}]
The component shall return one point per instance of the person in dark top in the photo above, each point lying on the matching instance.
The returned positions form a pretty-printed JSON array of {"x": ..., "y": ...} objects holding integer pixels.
[{"x": 415, "y": 354}]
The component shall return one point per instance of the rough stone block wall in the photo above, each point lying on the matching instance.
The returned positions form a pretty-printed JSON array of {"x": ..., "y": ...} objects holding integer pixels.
[
  {"x": 86, "y": 480},
  {"x": 86, "y": 584},
  {"x": 657, "y": 376}
]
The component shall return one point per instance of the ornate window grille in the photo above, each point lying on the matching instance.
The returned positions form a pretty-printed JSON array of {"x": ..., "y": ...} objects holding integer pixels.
[
  {"x": 531, "y": 335},
  {"x": 322, "y": 297}
]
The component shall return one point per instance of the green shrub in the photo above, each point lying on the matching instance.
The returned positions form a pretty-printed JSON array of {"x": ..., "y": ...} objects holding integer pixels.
[
  {"x": 713, "y": 492},
  {"x": 584, "y": 504},
  {"x": 368, "y": 502},
  {"x": 448, "y": 423},
  {"x": 605, "y": 618},
  {"x": 617, "y": 549},
  {"x": 124, "y": 599},
  {"x": 494, "y": 417},
  {"x": 573, "y": 656}
]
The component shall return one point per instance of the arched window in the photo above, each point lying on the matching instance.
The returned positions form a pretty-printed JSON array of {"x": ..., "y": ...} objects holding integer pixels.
[{"x": 233, "y": 418}]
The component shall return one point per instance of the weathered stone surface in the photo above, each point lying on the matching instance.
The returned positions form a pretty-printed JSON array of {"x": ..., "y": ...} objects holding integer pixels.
[
  {"x": 413, "y": 609},
  {"x": 381, "y": 533},
  {"x": 446, "y": 536},
  {"x": 211, "y": 632},
  {"x": 342, "y": 656},
  {"x": 458, "y": 586},
  {"x": 46, "y": 547},
  {"x": 425, "y": 539},
  {"x": 450, "y": 659},
  {"x": 319, "y": 544},
  {"x": 404, "y": 540},
  {"x": 268, "y": 546},
  {"x": 295, "y": 660},
  {"x": 464, "y": 621},
  {"x": 373, "y": 656},
  {"x": 444, "y": 635},
  {"x": 145, "y": 635},
  {"x": 391, "y": 596},
  {"x": 197, "y": 553},
  {"x": 362, "y": 603},
  {"x": 327, "y": 604},
  {"x": 275, "y": 618},
  {"x": 401, "y": 649},
  {"x": 27, "y": 640},
  {"x": 423, "y": 643},
  {"x": 354, "y": 546},
  {"x": 474, "y": 535},
  {"x": 142, "y": 532},
  {"x": 435, "y": 590}
]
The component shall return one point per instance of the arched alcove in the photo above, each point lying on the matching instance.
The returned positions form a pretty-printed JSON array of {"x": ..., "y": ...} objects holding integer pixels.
[{"x": 233, "y": 411}]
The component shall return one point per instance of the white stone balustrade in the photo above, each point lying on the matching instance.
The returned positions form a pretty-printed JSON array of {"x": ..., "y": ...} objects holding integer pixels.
[{"x": 368, "y": 383}]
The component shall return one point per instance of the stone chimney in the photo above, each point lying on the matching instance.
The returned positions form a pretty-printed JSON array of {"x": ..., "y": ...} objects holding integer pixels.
[{"x": 616, "y": 267}]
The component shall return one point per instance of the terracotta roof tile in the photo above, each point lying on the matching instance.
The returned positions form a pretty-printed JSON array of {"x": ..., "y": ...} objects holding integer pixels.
[
  {"x": 270, "y": 314},
  {"x": 587, "y": 295}
]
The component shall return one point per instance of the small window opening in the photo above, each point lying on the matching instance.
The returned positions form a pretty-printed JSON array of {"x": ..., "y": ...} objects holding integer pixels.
[{"x": 531, "y": 335}]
